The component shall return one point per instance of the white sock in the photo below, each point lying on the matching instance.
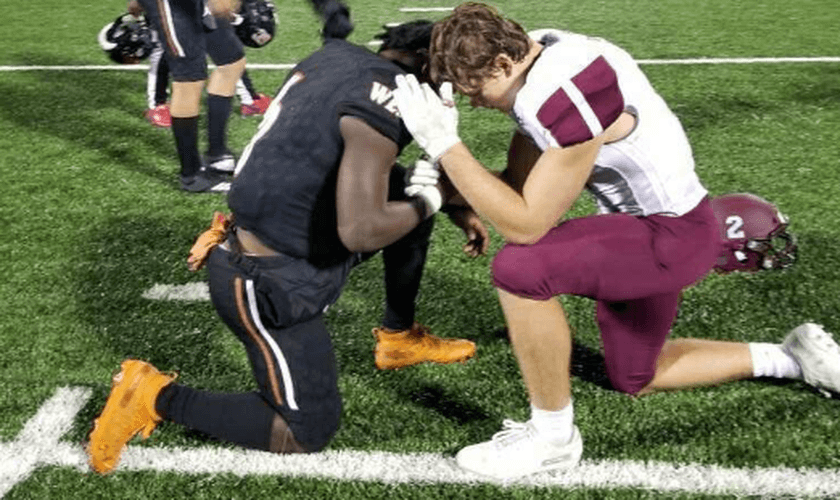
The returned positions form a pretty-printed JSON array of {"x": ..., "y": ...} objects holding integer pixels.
[
  {"x": 556, "y": 425},
  {"x": 770, "y": 360},
  {"x": 243, "y": 94}
]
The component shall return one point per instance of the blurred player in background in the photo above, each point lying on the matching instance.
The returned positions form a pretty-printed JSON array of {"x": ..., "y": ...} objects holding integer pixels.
[
  {"x": 130, "y": 39},
  {"x": 255, "y": 25},
  {"x": 251, "y": 102},
  {"x": 190, "y": 30}
]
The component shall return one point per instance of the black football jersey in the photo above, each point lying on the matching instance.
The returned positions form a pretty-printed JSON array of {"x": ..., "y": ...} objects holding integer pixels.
[{"x": 285, "y": 185}]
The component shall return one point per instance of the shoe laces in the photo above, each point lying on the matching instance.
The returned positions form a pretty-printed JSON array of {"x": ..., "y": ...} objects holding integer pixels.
[{"x": 512, "y": 433}]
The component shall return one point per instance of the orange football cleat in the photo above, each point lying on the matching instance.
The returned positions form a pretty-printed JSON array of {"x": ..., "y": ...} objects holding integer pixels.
[
  {"x": 400, "y": 348},
  {"x": 129, "y": 410}
]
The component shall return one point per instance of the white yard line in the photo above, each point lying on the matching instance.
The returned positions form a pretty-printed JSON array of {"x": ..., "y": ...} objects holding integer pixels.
[
  {"x": 256, "y": 66},
  {"x": 122, "y": 67},
  {"x": 190, "y": 292},
  {"x": 426, "y": 9},
  {"x": 38, "y": 445},
  {"x": 38, "y": 442},
  {"x": 741, "y": 60}
]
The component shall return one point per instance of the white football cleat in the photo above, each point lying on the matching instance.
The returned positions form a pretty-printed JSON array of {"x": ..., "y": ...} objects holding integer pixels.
[
  {"x": 817, "y": 354},
  {"x": 519, "y": 450}
]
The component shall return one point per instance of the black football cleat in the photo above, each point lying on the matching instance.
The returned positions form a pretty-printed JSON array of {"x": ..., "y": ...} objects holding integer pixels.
[{"x": 205, "y": 181}]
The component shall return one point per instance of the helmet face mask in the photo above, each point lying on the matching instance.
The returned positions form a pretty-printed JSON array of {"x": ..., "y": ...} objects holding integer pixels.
[
  {"x": 753, "y": 234},
  {"x": 778, "y": 251},
  {"x": 255, "y": 23},
  {"x": 127, "y": 40}
]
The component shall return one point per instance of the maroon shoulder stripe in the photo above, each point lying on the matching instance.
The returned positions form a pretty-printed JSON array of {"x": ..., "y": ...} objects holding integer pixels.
[
  {"x": 599, "y": 85},
  {"x": 563, "y": 119}
]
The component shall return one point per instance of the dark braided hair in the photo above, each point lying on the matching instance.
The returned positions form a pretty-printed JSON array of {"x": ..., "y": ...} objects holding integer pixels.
[
  {"x": 336, "y": 17},
  {"x": 407, "y": 46},
  {"x": 411, "y": 36}
]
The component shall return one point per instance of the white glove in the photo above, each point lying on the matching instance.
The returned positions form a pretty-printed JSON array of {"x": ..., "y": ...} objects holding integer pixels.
[
  {"x": 422, "y": 181},
  {"x": 422, "y": 173},
  {"x": 429, "y": 194},
  {"x": 432, "y": 120}
]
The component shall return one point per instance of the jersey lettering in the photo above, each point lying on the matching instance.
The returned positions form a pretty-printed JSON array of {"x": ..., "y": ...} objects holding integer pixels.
[
  {"x": 583, "y": 106},
  {"x": 380, "y": 94},
  {"x": 384, "y": 96}
]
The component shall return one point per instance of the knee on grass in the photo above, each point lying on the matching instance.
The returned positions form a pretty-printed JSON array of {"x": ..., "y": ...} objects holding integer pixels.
[
  {"x": 309, "y": 433},
  {"x": 632, "y": 384}
]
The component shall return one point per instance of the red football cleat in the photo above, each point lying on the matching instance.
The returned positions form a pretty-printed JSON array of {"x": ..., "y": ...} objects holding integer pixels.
[
  {"x": 159, "y": 116},
  {"x": 258, "y": 107}
]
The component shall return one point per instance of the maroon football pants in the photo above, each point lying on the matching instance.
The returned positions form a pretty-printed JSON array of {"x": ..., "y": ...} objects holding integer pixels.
[{"x": 634, "y": 267}]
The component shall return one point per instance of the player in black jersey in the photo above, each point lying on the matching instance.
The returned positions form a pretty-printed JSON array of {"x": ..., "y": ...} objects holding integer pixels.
[{"x": 316, "y": 191}]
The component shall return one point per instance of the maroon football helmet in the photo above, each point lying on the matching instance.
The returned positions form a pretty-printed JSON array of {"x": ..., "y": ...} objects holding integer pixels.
[{"x": 753, "y": 234}]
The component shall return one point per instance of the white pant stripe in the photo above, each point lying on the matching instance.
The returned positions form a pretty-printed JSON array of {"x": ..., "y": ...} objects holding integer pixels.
[
  {"x": 288, "y": 387},
  {"x": 167, "y": 11}
]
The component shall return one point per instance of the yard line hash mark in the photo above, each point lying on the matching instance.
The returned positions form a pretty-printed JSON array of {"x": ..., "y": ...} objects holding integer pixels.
[
  {"x": 38, "y": 445},
  {"x": 189, "y": 292}
]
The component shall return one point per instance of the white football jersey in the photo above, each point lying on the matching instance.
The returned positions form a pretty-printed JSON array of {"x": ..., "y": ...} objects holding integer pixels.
[{"x": 578, "y": 87}]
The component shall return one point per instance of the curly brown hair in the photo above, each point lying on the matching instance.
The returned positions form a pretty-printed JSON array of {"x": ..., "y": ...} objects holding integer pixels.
[{"x": 465, "y": 45}]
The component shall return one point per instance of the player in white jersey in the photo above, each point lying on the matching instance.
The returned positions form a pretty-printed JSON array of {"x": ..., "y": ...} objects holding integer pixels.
[
  {"x": 588, "y": 119},
  {"x": 651, "y": 171}
]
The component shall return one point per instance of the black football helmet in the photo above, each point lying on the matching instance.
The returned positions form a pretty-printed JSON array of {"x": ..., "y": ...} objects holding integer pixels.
[
  {"x": 127, "y": 40},
  {"x": 753, "y": 234},
  {"x": 255, "y": 23}
]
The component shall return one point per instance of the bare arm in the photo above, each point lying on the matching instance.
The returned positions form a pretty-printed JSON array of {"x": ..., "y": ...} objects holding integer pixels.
[
  {"x": 133, "y": 7},
  {"x": 549, "y": 190},
  {"x": 223, "y": 8},
  {"x": 367, "y": 221},
  {"x": 522, "y": 155}
]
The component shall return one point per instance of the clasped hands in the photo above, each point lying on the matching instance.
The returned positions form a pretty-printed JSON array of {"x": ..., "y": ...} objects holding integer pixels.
[
  {"x": 431, "y": 119},
  {"x": 433, "y": 122}
]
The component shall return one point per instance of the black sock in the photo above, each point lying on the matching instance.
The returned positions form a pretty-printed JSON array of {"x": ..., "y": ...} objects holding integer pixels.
[
  {"x": 185, "y": 131},
  {"x": 218, "y": 112},
  {"x": 244, "y": 419},
  {"x": 162, "y": 83},
  {"x": 404, "y": 262}
]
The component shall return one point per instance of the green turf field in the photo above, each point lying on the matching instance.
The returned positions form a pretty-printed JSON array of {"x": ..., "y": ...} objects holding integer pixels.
[{"x": 92, "y": 218}]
